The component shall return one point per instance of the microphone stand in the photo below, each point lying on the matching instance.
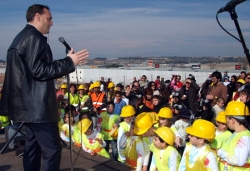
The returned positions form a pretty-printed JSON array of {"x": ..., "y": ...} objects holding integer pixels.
[
  {"x": 234, "y": 17},
  {"x": 70, "y": 114}
]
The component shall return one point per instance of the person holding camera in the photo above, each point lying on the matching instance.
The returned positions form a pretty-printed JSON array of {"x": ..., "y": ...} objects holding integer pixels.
[{"x": 188, "y": 95}]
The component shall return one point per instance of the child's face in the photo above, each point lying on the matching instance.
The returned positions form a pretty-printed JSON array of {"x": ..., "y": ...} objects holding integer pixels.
[
  {"x": 163, "y": 122},
  {"x": 155, "y": 101},
  {"x": 72, "y": 89},
  {"x": 243, "y": 98},
  {"x": 64, "y": 90},
  {"x": 148, "y": 96},
  {"x": 221, "y": 126},
  {"x": 220, "y": 104},
  {"x": 149, "y": 132},
  {"x": 81, "y": 91},
  {"x": 110, "y": 109},
  {"x": 67, "y": 119},
  {"x": 88, "y": 132},
  {"x": 175, "y": 99},
  {"x": 195, "y": 141},
  {"x": 158, "y": 143},
  {"x": 129, "y": 119},
  {"x": 118, "y": 97}
]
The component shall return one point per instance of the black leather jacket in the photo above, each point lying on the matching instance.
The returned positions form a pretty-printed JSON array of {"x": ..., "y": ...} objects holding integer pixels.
[{"x": 28, "y": 93}]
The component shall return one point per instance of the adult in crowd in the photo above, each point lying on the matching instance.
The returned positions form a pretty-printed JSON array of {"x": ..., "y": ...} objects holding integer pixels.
[
  {"x": 178, "y": 81},
  {"x": 247, "y": 79},
  {"x": 29, "y": 77},
  {"x": 231, "y": 87},
  {"x": 152, "y": 85},
  {"x": 205, "y": 86},
  {"x": 218, "y": 89},
  {"x": 147, "y": 100},
  {"x": 188, "y": 95},
  {"x": 134, "y": 91},
  {"x": 225, "y": 76},
  {"x": 103, "y": 86},
  {"x": 243, "y": 75},
  {"x": 157, "y": 82},
  {"x": 143, "y": 82}
]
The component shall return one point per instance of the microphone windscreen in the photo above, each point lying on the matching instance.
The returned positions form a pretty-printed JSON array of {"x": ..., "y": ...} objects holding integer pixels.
[{"x": 61, "y": 39}]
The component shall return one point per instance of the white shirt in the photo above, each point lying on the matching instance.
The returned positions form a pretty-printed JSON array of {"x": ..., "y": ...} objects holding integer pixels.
[
  {"x": 194, "y": 154},
  {"x": 241, "y": 152}
]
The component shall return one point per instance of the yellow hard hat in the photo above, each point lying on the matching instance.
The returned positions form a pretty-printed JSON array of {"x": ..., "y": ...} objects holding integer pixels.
[
  {"x": 165, "y": 112},
  {"x": 143, "y": 122},
  {"x": 111, "y": 85},
  {"x": 221, "y": 117},
  {"x": 202, "y": 128},
  {"x": 127, "y": 111},
  {"x": 166, "y": 134},
  {"x": 81, "y": 87},
  {"x": 236, "y": 108},
  {"x": 154, "y": 116},
  {"x": 114, "y": 132},
  {"x": 96, "y": 84},
  {"x": 64, "y": 86},
  {"x": 84, "y": 124},
  {"x": 241, "y": 81},
  {"x": 91, "y": 87}
]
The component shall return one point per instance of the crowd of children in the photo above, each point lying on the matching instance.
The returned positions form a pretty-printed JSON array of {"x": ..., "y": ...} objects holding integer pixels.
[{"x": 169, "y": 138}]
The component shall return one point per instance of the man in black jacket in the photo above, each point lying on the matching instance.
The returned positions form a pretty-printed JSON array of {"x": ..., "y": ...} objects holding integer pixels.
[{"x": 29, "y": 94}]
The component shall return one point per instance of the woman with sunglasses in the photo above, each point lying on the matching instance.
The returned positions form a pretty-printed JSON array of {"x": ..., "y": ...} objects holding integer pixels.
[{"x": 188, "y": 95}]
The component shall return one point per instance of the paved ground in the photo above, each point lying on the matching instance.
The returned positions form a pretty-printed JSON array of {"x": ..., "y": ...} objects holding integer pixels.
[{"x": 84, "y": 162}]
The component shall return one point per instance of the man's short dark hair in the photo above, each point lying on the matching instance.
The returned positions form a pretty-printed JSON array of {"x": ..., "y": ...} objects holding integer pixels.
[
  {"x": 217, "y": 75},
  {"x": 32, "y": 10}
]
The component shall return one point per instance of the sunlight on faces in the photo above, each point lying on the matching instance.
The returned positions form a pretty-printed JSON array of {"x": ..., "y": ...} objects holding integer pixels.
[
  {"x": 221, "y": 126},
  {"x": 157, "y": 143},
  {"x": 164, "y": 122},
  {"x": 128, "y": 119}
]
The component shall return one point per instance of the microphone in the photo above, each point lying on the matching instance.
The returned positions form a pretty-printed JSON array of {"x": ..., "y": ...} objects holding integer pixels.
[
  {"x": 61, "y": 39},
  {"x": 230, "y": 5}
]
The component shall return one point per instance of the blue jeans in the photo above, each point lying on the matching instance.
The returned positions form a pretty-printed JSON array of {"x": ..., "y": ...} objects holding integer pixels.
[{"x": 114, "y": 148}]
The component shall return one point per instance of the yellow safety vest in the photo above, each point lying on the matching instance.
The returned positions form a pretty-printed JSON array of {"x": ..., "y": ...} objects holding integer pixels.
[
  {"x": 199, "y": 164},
  {"x": 162, "y": 160},
  {"x": 77, "y": 136},
  {"x": 219, "y": 139},
  {"x": 96, "y": 146},
  {"x": 73, "y": 99},
  {"x": 4, "y": 121},
  {"x": 130, "y": 151},
  {"x": 229, "y": 147},
  {"x": 125, "y": 127},
  {"x": 107, "y": 124}
]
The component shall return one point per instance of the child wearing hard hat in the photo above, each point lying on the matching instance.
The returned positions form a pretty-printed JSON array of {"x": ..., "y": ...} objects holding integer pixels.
[
  {"x": 92, "y": 141},
  {"x": 144, "y": 126},
  {"x": 165, "y": 156},
  {"x": 234, "y": 154},
  {"x": 134, "y": 151},
  {"x": 198, "y": 155},
  {"x": 109, "y": 124},
  {"x": 222, "y": 133},
  {"x": 127, "y": 114}
]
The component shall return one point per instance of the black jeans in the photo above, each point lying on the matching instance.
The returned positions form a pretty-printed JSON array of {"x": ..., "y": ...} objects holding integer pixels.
[{"x": 42, "y": 141}]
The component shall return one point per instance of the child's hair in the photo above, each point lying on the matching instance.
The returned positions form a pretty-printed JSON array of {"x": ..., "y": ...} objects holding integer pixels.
[
  {"x": 220, "y": 99},
  {"x": 118, "y": 92},
  {"x": 83, "y": 113},
  {"x": 65, "y": 116},
  {"x": 73, "y": 108},
  {"x": 161, "y": 140},
  {"x": 110, "y": 103}
]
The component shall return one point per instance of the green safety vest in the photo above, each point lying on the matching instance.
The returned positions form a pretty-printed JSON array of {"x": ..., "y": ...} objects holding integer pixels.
[
  {"x": 219, "y": 139},
  {"x": 162, "y": 162},
  {"x": 229, "y": 147},
  {"x": 96, "y": 146},
  {"x": 107, "y": 124},
  {"x": 4, "y": 121}
]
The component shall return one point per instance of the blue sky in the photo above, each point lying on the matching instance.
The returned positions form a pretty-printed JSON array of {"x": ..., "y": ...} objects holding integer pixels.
[{"x": 121, "y": 28}]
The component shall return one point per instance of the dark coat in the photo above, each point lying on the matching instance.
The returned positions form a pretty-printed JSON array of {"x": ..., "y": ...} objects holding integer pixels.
[
  {"x": 28, "y": 93},
  {"x": 192, "y": 95}
]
